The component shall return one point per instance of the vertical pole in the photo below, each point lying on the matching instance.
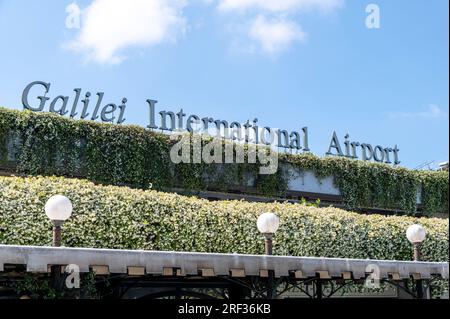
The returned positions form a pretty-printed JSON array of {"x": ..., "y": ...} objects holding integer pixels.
[
  {"x": 57, "y": 233},
  {"x": 270, "y": 290},
  {"x": 56, "y": 269},
  {"x": 416, "y": 251},
  {"x": 419, "y": 288},
  {"x": 418, "y": 282},
  {"x": 319, "y": 292},
  {"x": 268, "y": 245}
]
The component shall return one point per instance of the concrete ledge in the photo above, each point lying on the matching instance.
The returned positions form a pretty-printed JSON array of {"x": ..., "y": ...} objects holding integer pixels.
[{"x": 106, "y": 261}]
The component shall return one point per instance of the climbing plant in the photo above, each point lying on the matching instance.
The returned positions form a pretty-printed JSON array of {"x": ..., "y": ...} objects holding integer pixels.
[
  {"x": 124, "y": 218},
  {"x": 48, "y": 144}
]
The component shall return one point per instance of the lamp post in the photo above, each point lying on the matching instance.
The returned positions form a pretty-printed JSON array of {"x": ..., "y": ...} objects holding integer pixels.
[
  {"x": 58, "y": 208},
  {"x": 268, "y": 224},
  {"x": 416, "y": 235}
]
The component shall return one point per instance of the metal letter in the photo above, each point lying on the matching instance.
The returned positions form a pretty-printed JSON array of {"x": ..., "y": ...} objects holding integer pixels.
[
  {"x": 151, "y": 104},
  {"x": 396, "y": 150},
  {"x": 334, "y": 144},
  {"x": 285, "y": 135},
  {"x": 163, "y": 120},
  {"x": 106, "y": 111},
  {"x": 75, "y": 102},
  {"x": 295, "y": 140},
  {"x": 99, "y": 101},
  {"x": 122, "y": 110},
  {"x": 62, "y": 110},
  {"x": 375, "y": 154},
  {"x": 25, "y": 103},
  {"x": 365, "y": 146},
  {"x": 192, "y": 119},
  {"x": 305, "y": 139}
]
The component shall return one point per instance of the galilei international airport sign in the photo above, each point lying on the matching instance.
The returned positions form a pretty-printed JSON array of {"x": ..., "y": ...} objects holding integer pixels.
[{"x": 92, "y": 107}]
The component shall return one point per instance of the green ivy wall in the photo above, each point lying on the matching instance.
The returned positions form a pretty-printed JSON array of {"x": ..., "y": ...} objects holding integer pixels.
[
  {"x": 48, "y": 144},
  {"x": 121, "y": 217}
]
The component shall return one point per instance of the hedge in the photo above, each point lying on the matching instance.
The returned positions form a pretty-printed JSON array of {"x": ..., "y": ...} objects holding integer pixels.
[
  {"x": 120, "y": 217},
  {"x": 49, "y": 144}
]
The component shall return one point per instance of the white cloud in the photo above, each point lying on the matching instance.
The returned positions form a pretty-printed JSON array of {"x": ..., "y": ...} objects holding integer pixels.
[
  {"x": 275, "y": 35},
  {"x": 432, "y": 111},
  {"x": 110, "y": 26},
  {"x": 279, "y": 5},
  {"x": 270, "y": 23}
]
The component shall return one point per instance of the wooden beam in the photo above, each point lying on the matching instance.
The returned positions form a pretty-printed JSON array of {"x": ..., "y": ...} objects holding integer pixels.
[
  {"x": 180, "y": 272},
  {"x": 264, "y": 273},
  {"x": 63, "y": 268},
  {"x": 207, "y": 272},
  {"x": 100, "y": 269},
  {"x": 237, "y": 272},
  {"x": 167, "y": 271},
  {"x": 416, "y": 276},
  {"x": 395, "y": 276},
  {"x": 136, "y": 270},
  {"x": 323, "y": 274},
  {"x": 346, "y": 275}
]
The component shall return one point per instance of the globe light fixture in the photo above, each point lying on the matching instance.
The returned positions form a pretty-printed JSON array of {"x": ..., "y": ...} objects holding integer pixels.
[
  {"x": 416, "y": 235},
  {"x": 58, "y": 208},
  {"x": 268, "y": 224}
]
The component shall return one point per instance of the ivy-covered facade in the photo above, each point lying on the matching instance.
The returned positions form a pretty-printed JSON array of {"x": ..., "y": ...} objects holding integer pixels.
[
  {"x": 106, "y": 216},
  {"x": 119, "y": 177},
  {"x": 48, "y": 144}
]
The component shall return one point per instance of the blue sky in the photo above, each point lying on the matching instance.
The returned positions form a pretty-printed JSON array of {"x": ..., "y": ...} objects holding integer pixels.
[{"x": 290, "y": 63}]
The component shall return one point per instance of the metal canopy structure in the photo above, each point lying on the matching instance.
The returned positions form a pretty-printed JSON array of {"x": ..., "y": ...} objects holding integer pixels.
[{"x": 227, "y": 275}]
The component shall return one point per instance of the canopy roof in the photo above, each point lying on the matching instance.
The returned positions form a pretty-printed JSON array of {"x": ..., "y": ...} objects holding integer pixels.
[{"x": 105, "y": 261}]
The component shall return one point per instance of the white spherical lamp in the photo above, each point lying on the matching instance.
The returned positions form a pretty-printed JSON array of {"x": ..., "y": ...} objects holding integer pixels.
[
  {"x": 268, "y": 223},
  {"x": 416, "y": 233},
  {"x": 58, "y": 207}
]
